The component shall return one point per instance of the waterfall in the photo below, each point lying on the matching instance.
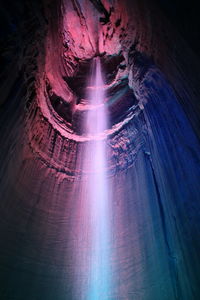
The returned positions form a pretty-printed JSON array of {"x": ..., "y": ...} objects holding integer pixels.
[{"x": 98, "y": 198}]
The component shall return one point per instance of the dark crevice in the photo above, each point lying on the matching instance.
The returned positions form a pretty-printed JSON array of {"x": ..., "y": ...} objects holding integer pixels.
[
  {"x": 61, "y": 107},
  {"x": 100, "y": 7},
  {"x": 117, "y": 23}
]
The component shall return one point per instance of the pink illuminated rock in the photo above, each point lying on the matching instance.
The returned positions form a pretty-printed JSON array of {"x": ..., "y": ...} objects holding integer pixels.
[{"x": 151, "y": 88}]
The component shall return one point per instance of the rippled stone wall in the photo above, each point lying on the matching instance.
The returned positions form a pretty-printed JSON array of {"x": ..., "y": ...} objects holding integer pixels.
[{"x": 152, "y": 88}]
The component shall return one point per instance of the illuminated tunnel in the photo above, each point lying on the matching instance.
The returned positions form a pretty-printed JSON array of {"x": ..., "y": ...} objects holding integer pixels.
[{"x": 66, "y": 232}]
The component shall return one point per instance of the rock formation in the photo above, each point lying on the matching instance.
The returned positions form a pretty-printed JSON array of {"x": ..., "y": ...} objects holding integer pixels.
[{"x": 152, "y": 91}]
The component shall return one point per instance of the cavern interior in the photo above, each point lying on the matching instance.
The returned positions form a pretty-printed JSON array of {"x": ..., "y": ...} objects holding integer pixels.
[{"x": 99, "y": 150}]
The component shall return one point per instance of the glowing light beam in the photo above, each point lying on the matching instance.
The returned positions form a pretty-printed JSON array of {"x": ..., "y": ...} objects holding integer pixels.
[{"x": 96, "y": 121}]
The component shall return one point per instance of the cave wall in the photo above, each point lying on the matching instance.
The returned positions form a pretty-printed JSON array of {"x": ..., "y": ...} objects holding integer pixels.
[{"x": 152, "y": 145}]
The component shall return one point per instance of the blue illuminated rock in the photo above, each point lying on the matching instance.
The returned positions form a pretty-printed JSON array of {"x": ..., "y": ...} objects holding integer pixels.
[{"x": 152, "y": 147}]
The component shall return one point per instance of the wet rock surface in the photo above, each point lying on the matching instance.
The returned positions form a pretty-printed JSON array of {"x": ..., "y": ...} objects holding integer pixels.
[{"x": 152, "y": 91}]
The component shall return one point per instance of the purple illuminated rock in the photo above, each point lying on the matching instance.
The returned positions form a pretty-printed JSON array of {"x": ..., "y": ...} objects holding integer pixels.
[{"x": 152, "y": 91}]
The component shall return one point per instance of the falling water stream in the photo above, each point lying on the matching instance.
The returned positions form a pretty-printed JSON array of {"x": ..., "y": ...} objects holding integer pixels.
[{"x": 98, "y": 198}]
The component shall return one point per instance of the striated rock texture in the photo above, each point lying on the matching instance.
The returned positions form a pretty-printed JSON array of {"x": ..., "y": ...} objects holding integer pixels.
[{"x": 152, "y": 98}]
